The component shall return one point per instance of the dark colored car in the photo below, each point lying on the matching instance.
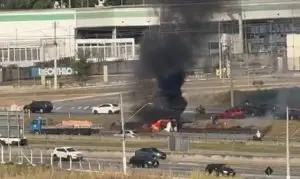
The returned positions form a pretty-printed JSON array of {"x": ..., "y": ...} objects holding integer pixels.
[
  {"x": 258, "y": 110},
  {"x": 39, "y": 106},
  {"x": 151, "y": 151},
  {"x": 219, "y": 170},
  {"x": 142, "y": 161},
  {"x": 293, "y": 114}
]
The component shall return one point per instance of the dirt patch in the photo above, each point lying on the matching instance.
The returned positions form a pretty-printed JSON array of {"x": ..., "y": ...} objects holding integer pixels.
[{"x": 278, "y": 129}]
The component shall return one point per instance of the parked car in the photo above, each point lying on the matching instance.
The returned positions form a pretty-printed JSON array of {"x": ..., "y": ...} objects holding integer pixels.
[
  {"x": 151, "y": 151},
  {"x": 142, "y": 161},
  {"x": 66, "y": 153},
  {"x": 107, "y": 108},
  {"x": 219, "y": 170},
  {"x": 38, "y": 106}
]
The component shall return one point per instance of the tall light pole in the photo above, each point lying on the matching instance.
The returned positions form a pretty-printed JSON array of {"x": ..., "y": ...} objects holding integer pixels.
[
  {"x": 55, "y": 59},
  {"x": 287, "y": 145},
  {"x": 220, "y": 51},
  {"x": 123, "y": 135}
]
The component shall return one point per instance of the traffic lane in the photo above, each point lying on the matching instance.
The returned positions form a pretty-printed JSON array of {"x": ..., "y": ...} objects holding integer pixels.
[
  {"x": 85, "y": 105},
  {"x": 187, "y": 116},
  {"x": 178, "y": 168}
]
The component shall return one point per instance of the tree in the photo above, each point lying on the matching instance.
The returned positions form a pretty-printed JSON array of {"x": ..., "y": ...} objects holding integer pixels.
[{"x": 81, "y": 68}]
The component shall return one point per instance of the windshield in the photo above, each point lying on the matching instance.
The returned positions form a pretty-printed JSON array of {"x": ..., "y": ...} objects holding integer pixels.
[
  {"x": 71, "y": 150},
  {"x": 155, "y": 150},
  {"x": 115, "y": 105}
]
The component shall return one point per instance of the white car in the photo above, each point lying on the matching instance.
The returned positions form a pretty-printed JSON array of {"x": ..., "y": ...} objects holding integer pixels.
[
  {"x": 107, "y": 108},
  {"x": 66, "y": 153},
  {"x": 128, "y": 133}
]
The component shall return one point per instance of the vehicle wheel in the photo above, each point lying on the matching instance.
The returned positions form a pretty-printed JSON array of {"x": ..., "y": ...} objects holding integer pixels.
[
  {"x": 95, "y": 112},
  {"x": 37, "y": 133},
  {"x": 156, "y": 164},
  {"x": 55, "y": 158},
  {"x": 110, "y": 112},
  {"x": 68, "y": 158}
]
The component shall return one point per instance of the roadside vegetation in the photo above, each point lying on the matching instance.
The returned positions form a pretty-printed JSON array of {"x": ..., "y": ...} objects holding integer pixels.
[{"x": 29, "y": 172}]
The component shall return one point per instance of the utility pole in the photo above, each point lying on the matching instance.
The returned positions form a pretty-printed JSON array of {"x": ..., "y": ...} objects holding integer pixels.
[
  {"x": 55, "y": 59},
  {"x": 229, "y": 73},
  {"x": 287, "y": 145},
  {"x": 19, "y": 56},
  {"x": 123, "y": 135},
  {"x": 220, "y": 51},
  {"x": 70, "y": 4},
  {"x": 231, "y": 84}
]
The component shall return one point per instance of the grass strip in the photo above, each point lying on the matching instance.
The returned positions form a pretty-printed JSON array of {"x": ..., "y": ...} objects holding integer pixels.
[
  {"x": 194, "y": 145},
  {"x": 10, "y": 171}
]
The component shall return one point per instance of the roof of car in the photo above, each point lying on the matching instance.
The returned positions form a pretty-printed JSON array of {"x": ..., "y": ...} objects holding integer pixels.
[{"x": 63, "y": 147}]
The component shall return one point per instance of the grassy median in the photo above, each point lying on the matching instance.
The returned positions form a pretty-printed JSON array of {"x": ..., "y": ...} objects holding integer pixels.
[{"x": 28, "y": 172}]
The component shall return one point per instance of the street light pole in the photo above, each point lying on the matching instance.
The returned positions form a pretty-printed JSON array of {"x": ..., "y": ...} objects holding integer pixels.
[
  {"x": 55, "y": 59},
  {"x": 287, "y": 145},
  {"x": 123, "y": 135},
  {"x": 220, "y": 51}
]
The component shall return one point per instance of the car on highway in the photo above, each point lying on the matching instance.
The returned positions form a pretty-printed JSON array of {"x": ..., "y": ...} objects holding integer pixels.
[
  {"x": 231, "y": 113},
  {"x": 151, "y": 151},
  {"x": 66, "y": 153},
  {"x": 142, "y": 161},
  {"x": 107, "y": 108},
  {"x": 219, "y": 170},
  {"x": 38, "y": 106},
  {"x": 256, "y": 110},
  {"x": 128, "y": 133},
  {"x": 294, "y": 113}
]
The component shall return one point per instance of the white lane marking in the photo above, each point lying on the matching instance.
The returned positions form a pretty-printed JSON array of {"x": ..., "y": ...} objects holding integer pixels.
[
  {"x": 189, "y": 111},
  {"x": 73, "y": 107},
  {"x": 58, "y": 108},
  {"x": 85, "y": 108},
  {"x": 79, "y": 107}
]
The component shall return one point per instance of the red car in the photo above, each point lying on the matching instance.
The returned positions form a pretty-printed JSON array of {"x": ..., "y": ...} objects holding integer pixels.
[{"x": 232, "y": 113}]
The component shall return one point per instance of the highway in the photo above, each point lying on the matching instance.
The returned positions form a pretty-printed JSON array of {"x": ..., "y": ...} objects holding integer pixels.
[
  {"x": 179, "y": 168},
  {"x": 84, "y": 106},
  {"x": 190, "y": 88}
]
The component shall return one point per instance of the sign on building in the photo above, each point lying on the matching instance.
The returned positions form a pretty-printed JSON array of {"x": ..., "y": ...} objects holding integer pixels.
[{"x": 61, "y": 71}]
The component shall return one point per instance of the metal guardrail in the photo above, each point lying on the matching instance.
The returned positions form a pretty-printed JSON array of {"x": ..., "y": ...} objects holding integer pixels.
[{"x": 35, "y": 158}]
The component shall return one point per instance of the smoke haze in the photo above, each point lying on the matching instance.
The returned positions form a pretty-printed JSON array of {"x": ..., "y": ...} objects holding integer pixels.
[{"x": 167, "y": 52}]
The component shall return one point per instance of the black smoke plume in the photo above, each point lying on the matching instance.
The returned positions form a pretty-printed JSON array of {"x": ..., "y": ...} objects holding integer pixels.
[{"x": 168, "y": 51}]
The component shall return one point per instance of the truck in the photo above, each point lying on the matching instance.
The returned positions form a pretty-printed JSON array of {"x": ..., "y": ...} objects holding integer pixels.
[
  {"x": 67, "y": 127},
  {"x": 12, "y": 128}
]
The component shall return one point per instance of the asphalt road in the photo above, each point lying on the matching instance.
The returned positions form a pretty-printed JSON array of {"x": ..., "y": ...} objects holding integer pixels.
[
  {"x": 190, "y": 87},
  {"x": 180, "y": 168},
  {"x": 84, "y": 106}
]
